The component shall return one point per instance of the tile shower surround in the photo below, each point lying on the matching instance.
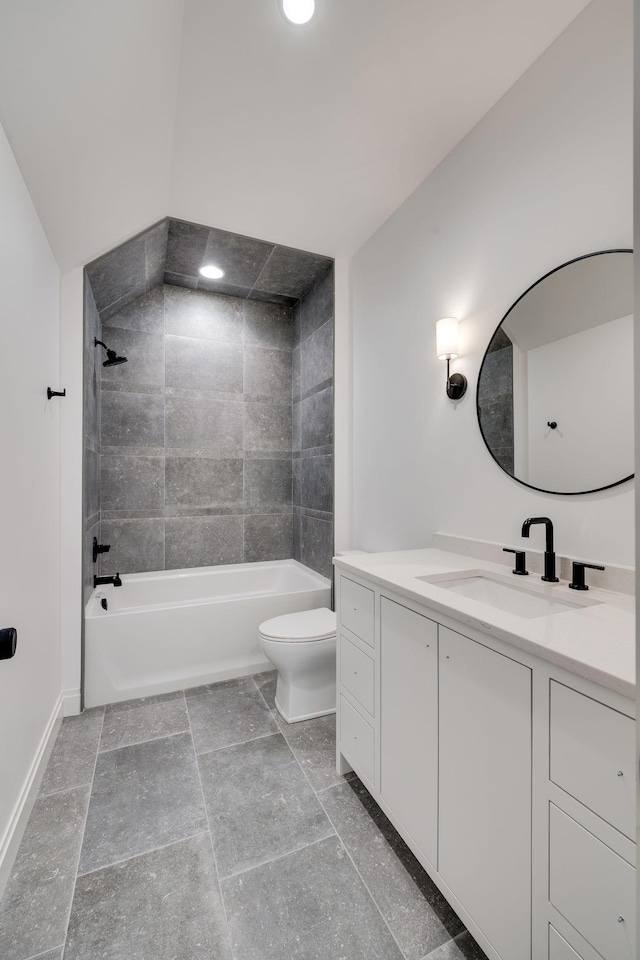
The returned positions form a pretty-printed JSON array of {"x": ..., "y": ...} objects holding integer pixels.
[
  {"x": 199, "y": 824},
  {"x": 192, "y": 476},
  {"x": 90, "y": 439},
  {"x": 312, "y": 396},
  {"x": 196, "y": 432},
  {"x": 173, "y": 251}
]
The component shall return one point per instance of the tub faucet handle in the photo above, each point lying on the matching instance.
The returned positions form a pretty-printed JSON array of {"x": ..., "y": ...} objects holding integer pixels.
[{"x": 99, "y": 548}]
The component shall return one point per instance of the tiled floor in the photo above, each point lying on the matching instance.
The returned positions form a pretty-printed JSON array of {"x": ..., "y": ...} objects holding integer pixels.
[{"x": 201, "y": 826}]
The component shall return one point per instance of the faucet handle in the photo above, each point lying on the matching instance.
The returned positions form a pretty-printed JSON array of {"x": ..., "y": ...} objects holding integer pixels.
[
  {"x": 99, "y": 548},
  {"x": 520, "y": 569},
  {"x": 577, "y": 574}
]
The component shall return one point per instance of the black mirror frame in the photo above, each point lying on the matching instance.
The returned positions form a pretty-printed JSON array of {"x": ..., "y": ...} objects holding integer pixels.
[{"x": 557, "y": 493}]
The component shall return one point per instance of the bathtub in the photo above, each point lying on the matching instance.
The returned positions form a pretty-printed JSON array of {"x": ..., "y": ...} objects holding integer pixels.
[{"x": 181, "y": 628}]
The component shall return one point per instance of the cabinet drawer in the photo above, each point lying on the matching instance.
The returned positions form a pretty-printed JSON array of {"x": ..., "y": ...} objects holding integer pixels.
[
  {"x": 592, "y": 887},
  {"x": 559, "y": 949},
  {"x": 357, "y": 672},
  {"x": 358, "y": 740},
  {"x": 593, "y": 756},
  {"x": 357, "y": 609}
]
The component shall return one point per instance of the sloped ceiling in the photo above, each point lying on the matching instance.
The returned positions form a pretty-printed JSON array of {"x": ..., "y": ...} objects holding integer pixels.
[{"x": 121, "y": 112}]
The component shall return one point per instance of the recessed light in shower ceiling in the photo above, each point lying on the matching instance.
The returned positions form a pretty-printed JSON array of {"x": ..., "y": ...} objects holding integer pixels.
[
  {"x": 298, "y": 11},
  {"x": 211, "y": 272}
]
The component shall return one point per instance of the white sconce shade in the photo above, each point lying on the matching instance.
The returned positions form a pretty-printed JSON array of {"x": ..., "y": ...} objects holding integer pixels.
[
  {"x": 447, "y": 348},
  {"x": 447, "y": 338}
]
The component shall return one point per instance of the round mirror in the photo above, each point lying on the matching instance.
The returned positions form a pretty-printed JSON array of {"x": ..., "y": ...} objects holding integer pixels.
[{"x": 555, "y": 389}]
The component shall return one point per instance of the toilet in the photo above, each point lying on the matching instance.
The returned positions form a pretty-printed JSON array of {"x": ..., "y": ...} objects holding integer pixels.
[{"x": 302, "y": 648}]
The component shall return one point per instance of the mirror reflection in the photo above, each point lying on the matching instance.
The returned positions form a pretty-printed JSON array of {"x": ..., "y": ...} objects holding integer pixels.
[{"x": 555, "y": 390}]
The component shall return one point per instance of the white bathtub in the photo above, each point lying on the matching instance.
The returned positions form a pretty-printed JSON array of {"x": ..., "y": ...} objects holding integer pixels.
[{"x": 181, "y": 628}]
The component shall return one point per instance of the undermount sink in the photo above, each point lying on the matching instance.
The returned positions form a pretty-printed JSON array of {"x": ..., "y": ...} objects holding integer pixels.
[{"x": 495, "y": 590}]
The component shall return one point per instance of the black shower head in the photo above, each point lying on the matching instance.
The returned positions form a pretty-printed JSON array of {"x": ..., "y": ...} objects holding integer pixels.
[{"x": 112, "y": 357}]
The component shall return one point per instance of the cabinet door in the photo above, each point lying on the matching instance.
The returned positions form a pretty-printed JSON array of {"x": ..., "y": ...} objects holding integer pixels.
[
  {"x": 409, "y": 722},
  {"x": 485, "y": 789}
]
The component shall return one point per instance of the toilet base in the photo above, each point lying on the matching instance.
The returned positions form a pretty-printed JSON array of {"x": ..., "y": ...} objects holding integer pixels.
[
  {"x": 306, "y": 685},
  {"x": 307, "y": 716}
]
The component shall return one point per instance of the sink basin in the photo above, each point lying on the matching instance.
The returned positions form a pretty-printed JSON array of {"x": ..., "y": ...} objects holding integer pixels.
[{"x": 497, "y": 591}]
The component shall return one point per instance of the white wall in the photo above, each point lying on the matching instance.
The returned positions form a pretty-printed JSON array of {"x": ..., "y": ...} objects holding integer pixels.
[
  {"x": 585, "y": 384},
  {"x": 71, "y": 506},
  {"x": 544, "y": 177},
  {"x": 29, "y": 489}
]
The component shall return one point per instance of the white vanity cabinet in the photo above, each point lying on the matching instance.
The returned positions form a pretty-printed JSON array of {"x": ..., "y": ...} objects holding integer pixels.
[
  {"x": 409, "y": 733},
  {"x": 485, "y": 789},
  {"x": 511, "y": 779}
]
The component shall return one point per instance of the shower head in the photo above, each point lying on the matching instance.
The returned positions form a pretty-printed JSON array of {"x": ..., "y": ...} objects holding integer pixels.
[{"x": 112, "y": 357}]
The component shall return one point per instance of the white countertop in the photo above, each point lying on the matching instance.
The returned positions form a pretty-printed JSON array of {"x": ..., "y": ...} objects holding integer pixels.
[{"x": 596, "y": 642}]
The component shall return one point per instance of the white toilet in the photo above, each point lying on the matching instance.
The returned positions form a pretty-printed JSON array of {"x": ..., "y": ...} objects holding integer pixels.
[{"x": 302, "y": 648}]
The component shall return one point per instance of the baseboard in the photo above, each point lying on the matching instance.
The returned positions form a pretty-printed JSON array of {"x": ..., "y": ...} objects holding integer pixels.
[
  {"x": 22, "y": 811},
  {"x": 70, "y": 703}
]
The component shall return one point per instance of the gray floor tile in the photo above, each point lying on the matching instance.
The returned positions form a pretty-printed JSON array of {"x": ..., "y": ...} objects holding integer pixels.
[
  {"x": 74, "y": 754},
  {"x": 222, "y": 714},
  {"x": 463, "y": 947},
  {"x": 314, "y": 745},
  {"x": 160, "y": 906},
  {"x": 50, "y": 955},
  {"x": 309, "y": 905},
  {"x": 259, "y": 803},
  {"x": 266, "y": 684},
  {"x": 415, "y": 910},
  {"x": 144, "y": 796},
  {"x": 36, "y": 902},
  {"x": 147, "y": 719}
]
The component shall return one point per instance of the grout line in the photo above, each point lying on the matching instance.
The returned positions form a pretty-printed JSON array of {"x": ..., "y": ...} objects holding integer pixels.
[
  {"x": 264, "y": 699},
  {"x": 347, "y": 778},
  {"x": 283, "y": 856},
  {"x": 142, "y": 853},
  {"x": 213, "y": 852},
  {"x": 57, "y": 793},
  {"x": 138, "y": 743},
  {"x": 284, "y": 735},
  {"x": 44, "y": 953},
  {"x": 239, "y": 743},
  {"x": 84, "y": 827},
  {"x": 264, "y": 267},
  {"x": 366, "y": 886}
]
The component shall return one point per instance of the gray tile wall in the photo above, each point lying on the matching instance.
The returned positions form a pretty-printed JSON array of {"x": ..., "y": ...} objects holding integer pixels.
[
  {"x": 91, "y": 438},
  {"x": 196, "y": 438},
  {"x": 312, "y": 424},
  {"x": 495, "y": 400}
]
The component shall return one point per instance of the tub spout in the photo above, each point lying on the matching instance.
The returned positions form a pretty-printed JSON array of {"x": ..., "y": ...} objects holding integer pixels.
[{"x": 116, "y": 581}]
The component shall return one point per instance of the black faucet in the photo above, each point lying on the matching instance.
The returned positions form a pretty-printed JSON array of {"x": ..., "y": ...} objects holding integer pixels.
[
  {"x": 549, "y": 555},
  {"x": 116, "y": 581}
]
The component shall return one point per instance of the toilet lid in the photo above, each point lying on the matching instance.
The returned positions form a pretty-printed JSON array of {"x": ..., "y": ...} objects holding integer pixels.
[{"x": 301, "y": 627}]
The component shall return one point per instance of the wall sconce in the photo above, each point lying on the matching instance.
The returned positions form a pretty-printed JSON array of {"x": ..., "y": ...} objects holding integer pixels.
[{"x": 447, "y": 349}]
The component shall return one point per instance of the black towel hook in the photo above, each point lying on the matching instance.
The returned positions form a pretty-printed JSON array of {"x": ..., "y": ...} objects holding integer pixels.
[{"x": 56, "y": 393}]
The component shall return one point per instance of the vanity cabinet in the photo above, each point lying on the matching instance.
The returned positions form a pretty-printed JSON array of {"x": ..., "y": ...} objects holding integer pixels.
[
  {"x": 511, "y": 779},
  {"x": 409, "y": 732},
  {"x": 592, "y": 756},
  {"x": 485, "y": 788}
]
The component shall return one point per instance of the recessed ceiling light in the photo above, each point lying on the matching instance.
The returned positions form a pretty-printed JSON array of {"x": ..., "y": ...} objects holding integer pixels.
[
  {"x": 211, "y": 272},
  {"x": 298, "y": 11}
]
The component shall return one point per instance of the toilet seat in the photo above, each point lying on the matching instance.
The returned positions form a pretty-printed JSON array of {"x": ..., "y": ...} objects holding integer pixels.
[{"x": 303, "y": 627}]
